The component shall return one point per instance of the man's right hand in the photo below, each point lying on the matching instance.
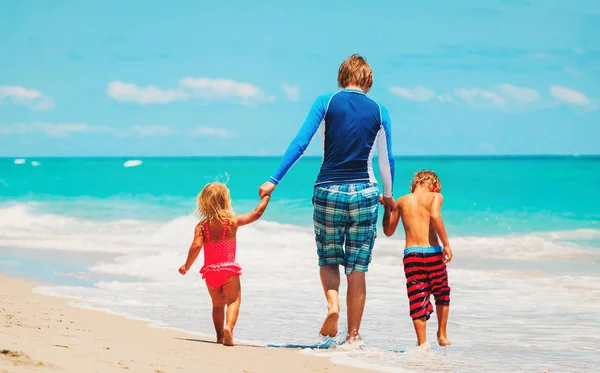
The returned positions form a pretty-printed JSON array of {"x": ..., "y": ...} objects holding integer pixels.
[{"x": 266, "y": 189}]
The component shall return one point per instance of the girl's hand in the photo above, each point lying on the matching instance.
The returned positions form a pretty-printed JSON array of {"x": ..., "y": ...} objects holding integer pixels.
[{"x": 183, "y": 269}]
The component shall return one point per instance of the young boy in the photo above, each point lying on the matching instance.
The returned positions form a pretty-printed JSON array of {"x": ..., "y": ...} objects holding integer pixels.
[{"x": 424, "y": 259}]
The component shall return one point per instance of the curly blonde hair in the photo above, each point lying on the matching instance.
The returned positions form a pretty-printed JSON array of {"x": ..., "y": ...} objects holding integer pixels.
[
  {"x": 214, "y": 203},
  {"x": 425, "y": 178}
]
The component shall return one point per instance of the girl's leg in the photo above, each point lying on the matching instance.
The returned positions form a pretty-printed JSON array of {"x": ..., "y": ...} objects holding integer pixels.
[
  {"x": 218, "y": 311},
  {"x": 233, "y": 296}
]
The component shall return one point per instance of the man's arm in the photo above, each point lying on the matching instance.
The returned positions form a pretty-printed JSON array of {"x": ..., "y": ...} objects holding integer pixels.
[
  {"x": 253, "y": 216},
  {"x": 298, "y": 146},
  {"x": 195, "y": 248},
  {"x": 385, "y": 155},
  {"x": 391, "y": 217},
  {"x": 438, "y": 225}
]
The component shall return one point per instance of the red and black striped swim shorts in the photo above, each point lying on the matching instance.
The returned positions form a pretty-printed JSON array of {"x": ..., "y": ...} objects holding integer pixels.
[{"x": 425, "y": 275}]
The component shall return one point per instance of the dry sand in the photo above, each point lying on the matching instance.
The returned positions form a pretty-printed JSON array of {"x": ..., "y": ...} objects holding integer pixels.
[{"x": 43, "y": 334}]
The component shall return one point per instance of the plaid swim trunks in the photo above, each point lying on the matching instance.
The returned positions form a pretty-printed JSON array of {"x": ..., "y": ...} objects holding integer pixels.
[{"x": 346, "y": 214}]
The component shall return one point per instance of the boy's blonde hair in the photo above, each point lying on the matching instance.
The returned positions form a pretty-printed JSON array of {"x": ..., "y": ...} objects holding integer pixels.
[
  {"x": 355, "y": 71},
  {"x": 425, "y": 177},
  {"x": 214, "y": 203}
]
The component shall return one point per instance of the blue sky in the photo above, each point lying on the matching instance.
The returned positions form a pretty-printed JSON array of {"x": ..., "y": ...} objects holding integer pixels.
[{"x": 237, "y": 77}]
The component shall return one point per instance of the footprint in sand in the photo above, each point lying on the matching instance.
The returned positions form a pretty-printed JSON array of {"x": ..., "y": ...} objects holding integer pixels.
[{"x": 20, "y": 358}]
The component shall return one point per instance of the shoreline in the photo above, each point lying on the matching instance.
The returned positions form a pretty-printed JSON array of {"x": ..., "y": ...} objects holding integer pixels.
[{"x": 42, "y": 333}]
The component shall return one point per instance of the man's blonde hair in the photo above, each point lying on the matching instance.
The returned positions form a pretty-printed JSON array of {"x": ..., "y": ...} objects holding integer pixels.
[
  {"x": 355, "y": 71},
  {"x": 425, "y": 178},
  {"x": 214, "y": 203}
]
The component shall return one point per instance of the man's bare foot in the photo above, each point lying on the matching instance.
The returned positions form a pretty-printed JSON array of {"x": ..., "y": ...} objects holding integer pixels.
[
  {"x": 330, "y": 325},
  {"x": 228, "y": 337},
  {"x": 443, "y": 341}
]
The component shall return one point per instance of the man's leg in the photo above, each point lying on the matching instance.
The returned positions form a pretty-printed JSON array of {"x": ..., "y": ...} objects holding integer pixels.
[
  {"x": 355, "y": 302},
  {"x": 330, "y": 279},
  {"x": 360, "y": 238},
  {"x": 329, "y": 219}
]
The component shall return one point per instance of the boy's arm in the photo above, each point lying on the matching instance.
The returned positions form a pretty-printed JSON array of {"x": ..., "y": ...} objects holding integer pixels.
[
  {"x": 391, "y": 217},
  {"x": 438, "y": 225},
  {"x": 253, "y": 216},
  {"x": 195, "y": 248}
]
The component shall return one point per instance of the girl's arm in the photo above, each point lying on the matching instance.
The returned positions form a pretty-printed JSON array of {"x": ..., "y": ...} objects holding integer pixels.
[
  {"x": 195, "y": 248},
  {"x": 391, "y": 217},
  {"x": 253, "y": 216}
]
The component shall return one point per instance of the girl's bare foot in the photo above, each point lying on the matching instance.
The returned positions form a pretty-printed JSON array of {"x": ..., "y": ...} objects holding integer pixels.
[
  {"x": 220, "y": 338},
  {"x": 330, "y": 325},
  {"x": 228, "y": 337},
  {"x": 443, "y": 341}
]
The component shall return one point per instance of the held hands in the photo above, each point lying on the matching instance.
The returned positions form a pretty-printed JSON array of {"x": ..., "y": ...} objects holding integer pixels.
[
  {"x": 387, "y": 202},
  {"x": 183, "y": 269},
  {"x": 266, "y": 189},
  {"x": 447, "y": 254}
]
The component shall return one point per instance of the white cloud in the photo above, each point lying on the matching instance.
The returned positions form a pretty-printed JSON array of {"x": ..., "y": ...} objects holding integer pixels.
[
  {"x": 419, "y": 93},
  {"x": 522, "y": 95},
  {"x": 569, "y": 96},
  {"x": 52, "y": 129},
  {"x": 478, "y": 97},
  {"x": 212, "y": 132},
  {"x": 189, "y": 88},
  {"x": 573, "y": 71},
  {"x": 126, "y": 92},
  {"x": 224, "y": 89},
  {"x": 31, "y": 98},
  {"x": 292, "y": 93},
  {"x": 153, "y": 130}
]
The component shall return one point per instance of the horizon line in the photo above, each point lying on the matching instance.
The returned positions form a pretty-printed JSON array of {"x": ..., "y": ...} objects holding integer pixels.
[{"x": 313, "y": 156}]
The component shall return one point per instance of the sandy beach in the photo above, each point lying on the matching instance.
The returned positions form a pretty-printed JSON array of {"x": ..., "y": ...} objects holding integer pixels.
[{"x": 42, "y": 334}]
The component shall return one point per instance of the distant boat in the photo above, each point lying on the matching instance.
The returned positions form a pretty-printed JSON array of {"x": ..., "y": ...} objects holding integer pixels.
[
  {"x": 132, "y": 163},
  {"x": 19, "y": 161}
]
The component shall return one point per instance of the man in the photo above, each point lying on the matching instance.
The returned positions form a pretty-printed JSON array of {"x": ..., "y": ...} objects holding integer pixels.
[{"x": 346, "y": 195}]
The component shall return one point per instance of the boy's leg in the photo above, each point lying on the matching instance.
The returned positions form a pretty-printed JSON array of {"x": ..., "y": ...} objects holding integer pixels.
[
  {"x": 420, "y": 325},
  {"x": 218, "y": 310},
  {"x": 329, "y": 220},
  {"x": 418, "y": 291},
  {"x": 438, "y": 278},
  {"x": 442, "y": 316},
  {"x": 232, "y": 292},
  {"x": 361, "y": 231}
]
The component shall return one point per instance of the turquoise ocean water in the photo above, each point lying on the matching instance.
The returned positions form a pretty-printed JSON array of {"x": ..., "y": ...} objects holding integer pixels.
[{"x": 525, "y": 232}]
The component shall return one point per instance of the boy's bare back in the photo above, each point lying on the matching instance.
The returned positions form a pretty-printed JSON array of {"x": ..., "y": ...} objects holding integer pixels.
[{"x": 415, "y": 211}]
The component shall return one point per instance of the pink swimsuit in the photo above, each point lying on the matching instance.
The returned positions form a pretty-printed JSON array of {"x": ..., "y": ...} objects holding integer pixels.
[{"x": 219, "y": 259}]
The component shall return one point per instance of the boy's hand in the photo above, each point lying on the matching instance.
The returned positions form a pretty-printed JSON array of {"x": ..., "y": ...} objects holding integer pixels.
[
  {"x": 447, "y": 254},
  {"x": 183, "y": 269},
  {"x": 387, "y": 202}
]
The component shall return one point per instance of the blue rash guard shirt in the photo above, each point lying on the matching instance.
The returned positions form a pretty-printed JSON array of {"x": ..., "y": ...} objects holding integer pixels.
[{"x": 351, "y": 125}]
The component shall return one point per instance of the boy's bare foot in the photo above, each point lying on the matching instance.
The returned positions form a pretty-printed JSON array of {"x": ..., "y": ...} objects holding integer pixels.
[
  {"x": 228, "y": 337},
  {"x": 330, "y": 325},
  {"x": 443, "y": 341}
]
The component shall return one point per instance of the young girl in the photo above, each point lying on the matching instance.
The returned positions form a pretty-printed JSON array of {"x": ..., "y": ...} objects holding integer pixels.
[{"x": 216, "y": 231}]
